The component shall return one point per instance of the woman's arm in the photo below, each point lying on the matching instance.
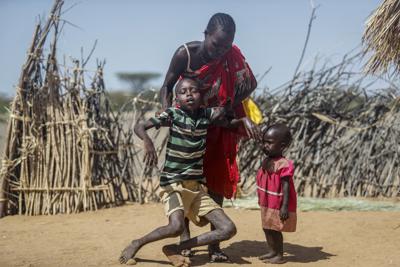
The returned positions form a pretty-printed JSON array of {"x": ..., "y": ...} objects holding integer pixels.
[
  {"x": 176, "y": 68},
  {"x": 243, "y": 91},
  {"x": 246, "y": 89}
]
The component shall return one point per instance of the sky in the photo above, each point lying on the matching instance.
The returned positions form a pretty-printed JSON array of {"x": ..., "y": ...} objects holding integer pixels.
[{"x": 142, "y": 35}]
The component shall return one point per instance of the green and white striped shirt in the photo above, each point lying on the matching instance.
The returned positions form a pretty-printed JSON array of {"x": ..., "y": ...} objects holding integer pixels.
[{"x": 186, "y": 144}]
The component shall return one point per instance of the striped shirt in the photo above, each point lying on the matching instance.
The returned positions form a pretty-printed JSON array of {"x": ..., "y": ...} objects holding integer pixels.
[{"x": 186, "y": 144}]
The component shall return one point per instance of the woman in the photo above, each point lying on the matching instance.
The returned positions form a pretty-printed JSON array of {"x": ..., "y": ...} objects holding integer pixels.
[{"x": 224, "y": 74}]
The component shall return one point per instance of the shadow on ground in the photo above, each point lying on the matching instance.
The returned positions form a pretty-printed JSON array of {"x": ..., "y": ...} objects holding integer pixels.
[{"x": 238, "y": 251}]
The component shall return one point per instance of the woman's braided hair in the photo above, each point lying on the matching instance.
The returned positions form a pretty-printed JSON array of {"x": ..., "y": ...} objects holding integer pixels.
[{"x": 222, "y": 21}]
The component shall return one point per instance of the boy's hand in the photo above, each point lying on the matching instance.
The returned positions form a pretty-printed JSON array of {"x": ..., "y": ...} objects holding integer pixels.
[
  {"x": 283, "y": 213},
  {"x": 158, "y": 112},
  {"x": 150, "y": 155}
]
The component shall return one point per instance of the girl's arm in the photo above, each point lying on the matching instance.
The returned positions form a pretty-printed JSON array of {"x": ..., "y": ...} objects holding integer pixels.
[
  {"x": 176, "y": 68},
  {"x": 284, "y": 213}
]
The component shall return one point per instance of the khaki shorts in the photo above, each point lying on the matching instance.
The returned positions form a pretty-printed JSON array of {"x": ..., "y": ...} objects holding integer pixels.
[{"x": 189, "y": 196}]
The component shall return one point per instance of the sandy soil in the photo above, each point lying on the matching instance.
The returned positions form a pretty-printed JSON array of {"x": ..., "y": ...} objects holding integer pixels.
[{"x": 96, "y": 239}]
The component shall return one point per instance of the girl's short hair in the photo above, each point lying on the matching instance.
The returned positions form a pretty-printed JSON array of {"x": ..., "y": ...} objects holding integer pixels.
[{"x": 282, "y": 130}]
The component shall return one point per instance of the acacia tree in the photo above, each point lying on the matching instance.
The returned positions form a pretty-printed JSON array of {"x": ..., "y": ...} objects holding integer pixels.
[{"x": 138, "y": 81}]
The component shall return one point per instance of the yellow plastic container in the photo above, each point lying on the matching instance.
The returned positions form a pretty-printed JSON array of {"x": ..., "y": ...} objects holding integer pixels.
[{"x": 252, "y": 111}]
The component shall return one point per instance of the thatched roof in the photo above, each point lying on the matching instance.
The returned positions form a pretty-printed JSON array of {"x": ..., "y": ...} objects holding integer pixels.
[{"x": 382, "y": 38}]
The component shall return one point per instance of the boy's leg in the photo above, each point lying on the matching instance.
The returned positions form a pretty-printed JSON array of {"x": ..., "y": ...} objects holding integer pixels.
[
  {"x": 224, "y": 230},
  {"x": 174, "y": 228},
  {"x": 270, "y": 252},
  {"x": 186, "y": 236},
  {"x": 214, "y": 250},
  {"x": 275, "y": 241}
]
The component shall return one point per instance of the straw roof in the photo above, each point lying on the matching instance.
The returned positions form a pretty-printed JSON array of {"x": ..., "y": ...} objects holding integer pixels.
[{"x": 382, "y": 38}]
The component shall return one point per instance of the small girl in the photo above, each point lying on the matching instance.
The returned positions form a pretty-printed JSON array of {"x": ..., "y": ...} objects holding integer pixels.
[{"x": 276, "y": 192}]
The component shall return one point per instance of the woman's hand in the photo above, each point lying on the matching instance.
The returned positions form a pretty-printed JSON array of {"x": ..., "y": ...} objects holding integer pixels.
[
  {"x": 150, "y": 154},
  {"x": 252, "y": 130}
]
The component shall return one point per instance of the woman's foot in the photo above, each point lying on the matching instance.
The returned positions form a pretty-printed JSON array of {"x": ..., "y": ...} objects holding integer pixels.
[
  {"x": 129, "y": 252},
  {"x": 174, "y": 255}
]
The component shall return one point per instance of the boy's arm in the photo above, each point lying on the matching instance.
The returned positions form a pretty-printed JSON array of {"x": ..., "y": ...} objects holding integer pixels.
[
  {"x": 150, "y": 155},
  {"x": 224, "y": 116},
  {"x": 217, "y": 114},
  {"x": 225, "y": 120},
  {"x": 284, "y": 213}
]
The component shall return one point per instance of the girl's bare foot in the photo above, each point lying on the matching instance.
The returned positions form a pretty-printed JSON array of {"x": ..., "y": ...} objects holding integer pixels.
[
  {"x": 277, "y": 259},
  {"x": 174, "y": 255},
  {"x": 129, "y": 252},
  {"x": 267, "y": 255}
]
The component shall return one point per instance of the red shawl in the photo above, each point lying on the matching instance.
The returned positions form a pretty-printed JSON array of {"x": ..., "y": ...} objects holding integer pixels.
[{"x": 220, "y": 79}]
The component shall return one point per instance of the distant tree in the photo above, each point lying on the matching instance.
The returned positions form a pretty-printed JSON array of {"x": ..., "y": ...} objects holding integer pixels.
[
  {"x": 137, "y": 81},
  {"x": 5, "y": 102}
]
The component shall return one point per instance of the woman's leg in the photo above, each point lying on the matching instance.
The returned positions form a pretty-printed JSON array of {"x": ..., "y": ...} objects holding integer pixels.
[{"x": 174, "y": 228}]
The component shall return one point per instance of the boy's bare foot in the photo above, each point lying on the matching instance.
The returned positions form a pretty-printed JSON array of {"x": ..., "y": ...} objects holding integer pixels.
[
  {"x": 174, "y": 255},
  {"x": 267, "y": 255},
  {"x": 277, "y": 259},
  {"x": 187, "y": 253},
  {"x": 218, "y": 256},
  {"x": 129, "y": 252},
  {"x": 131, "y": 262}
]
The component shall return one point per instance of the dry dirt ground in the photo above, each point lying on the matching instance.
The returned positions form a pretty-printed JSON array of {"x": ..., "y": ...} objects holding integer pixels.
[{"x": 96, "y": 239}]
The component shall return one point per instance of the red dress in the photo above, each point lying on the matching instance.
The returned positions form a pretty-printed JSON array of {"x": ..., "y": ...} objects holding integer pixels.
[{"x": 270, "y": 195}]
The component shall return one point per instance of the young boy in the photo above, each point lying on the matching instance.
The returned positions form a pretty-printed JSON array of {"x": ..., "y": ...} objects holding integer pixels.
[{"x": 182, "y": 182}]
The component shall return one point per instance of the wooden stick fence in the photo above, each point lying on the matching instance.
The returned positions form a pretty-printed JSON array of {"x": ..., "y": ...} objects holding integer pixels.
[{"x": 67, "y": 150}]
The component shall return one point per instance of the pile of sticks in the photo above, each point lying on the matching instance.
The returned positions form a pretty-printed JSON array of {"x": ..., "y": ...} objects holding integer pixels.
[{"x": 345, "y": 139}]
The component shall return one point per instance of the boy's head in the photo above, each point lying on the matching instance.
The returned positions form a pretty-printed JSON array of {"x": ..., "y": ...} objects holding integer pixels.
[
  {"x": 276, "y": 138},
  {"x": 188, "y": 94}
]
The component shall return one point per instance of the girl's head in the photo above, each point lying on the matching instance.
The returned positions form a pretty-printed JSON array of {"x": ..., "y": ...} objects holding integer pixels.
[
  {"x": 187, "y": 94},
  {"x": 219, "y": 35},
  {"x": 276, "y": 138}
]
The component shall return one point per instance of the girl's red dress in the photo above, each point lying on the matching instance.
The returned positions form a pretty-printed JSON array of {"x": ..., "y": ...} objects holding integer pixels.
[{"x": 270, "y": 195}]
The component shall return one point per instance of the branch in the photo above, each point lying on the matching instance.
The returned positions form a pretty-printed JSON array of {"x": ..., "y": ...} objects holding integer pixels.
[{"x": 312, "y": 17}]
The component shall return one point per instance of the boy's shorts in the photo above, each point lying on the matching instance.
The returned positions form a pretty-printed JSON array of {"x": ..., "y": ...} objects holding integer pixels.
[{"x": 189, "y": 196}]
